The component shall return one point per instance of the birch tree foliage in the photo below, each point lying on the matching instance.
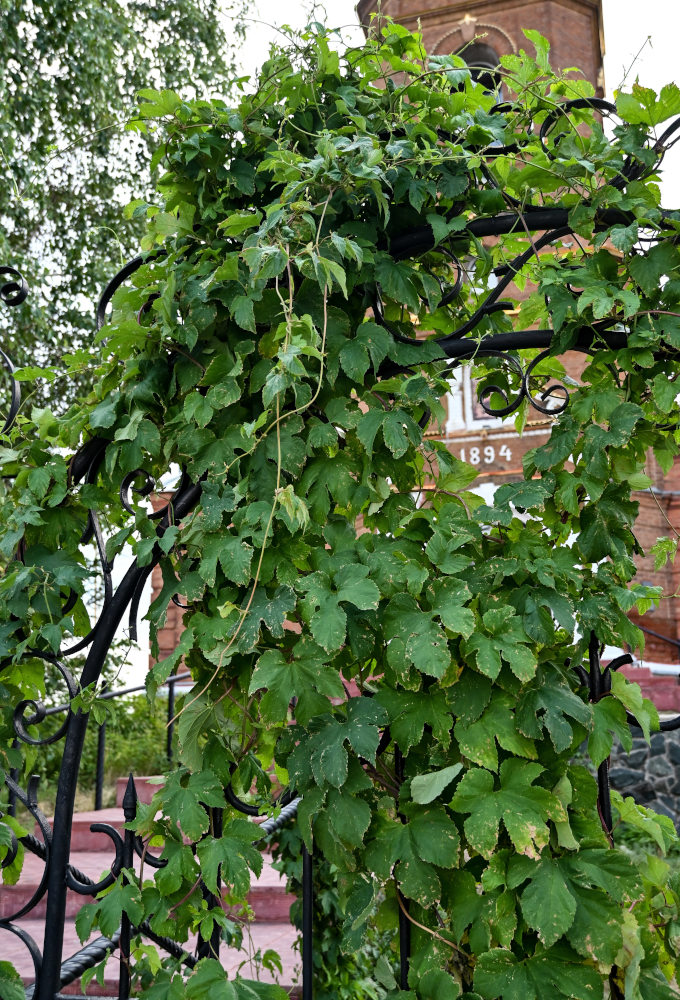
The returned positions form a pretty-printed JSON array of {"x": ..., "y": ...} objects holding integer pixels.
[{"x": 69, "y": 78}]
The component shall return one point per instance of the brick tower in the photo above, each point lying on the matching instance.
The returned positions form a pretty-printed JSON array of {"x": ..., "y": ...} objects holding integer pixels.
[
  {"x": 573, "y": 28},
  {"x": 483, "y": 31}
]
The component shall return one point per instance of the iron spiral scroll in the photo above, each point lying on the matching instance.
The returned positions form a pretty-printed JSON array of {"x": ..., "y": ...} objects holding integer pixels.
[
  {"x": 13, "y": 291},
  {"x": 521, "y": 383}
]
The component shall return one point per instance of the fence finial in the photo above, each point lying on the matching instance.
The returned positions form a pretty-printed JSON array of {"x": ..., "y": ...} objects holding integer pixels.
[{"x": 130, "y": 800}]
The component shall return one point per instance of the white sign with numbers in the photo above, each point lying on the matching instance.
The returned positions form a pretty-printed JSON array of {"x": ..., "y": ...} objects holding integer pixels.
[{"x": 485, "y": 454}]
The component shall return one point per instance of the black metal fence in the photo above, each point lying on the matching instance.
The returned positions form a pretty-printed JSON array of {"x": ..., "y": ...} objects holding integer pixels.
[
  {"x": 596, "y": 679},
  {"x": 171, "y": 685},
  {"x": 100, "y": 766},
  {"x": 126, "y": 848}
]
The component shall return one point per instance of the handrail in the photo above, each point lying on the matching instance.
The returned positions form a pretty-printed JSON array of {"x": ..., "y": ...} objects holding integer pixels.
[
  {"x": 107, "y": 695},
  {"x": 94, "y": 951},
  {"x": 659, "y": 635}
]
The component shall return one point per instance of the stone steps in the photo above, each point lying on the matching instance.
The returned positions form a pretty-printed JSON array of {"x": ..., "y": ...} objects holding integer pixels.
[
  {"x": 84, "y": 839},
  {"x": 268, "y": 898},
  {"x": 145, "y": 786}
]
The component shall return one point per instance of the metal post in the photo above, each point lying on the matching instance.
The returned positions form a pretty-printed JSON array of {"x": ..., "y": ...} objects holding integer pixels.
[
  {"x": 404, "y": 942},
  {"x": 55, "y": 913},
  {"x": 307, "y": 925},
  {"x": 210, "y": 947},
  {"x": 171, "y": 720},
  {"x": 101, "y": 756},
  {"x": 12, "y": 795},
  {"x": 129, "y": 811},
  {"x": 404, "y": 922},
  {"x": 600, "y": 685}
]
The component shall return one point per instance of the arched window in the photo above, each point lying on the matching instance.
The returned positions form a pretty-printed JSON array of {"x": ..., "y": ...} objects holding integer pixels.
[{"x": 483, "y": 61}]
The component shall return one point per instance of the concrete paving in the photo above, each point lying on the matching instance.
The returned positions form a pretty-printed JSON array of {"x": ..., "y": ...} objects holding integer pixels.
[{"x": 259, "y": 938}]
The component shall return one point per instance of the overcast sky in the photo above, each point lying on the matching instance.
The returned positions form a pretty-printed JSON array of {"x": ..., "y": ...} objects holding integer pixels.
[{"x": 627, "y": 25}]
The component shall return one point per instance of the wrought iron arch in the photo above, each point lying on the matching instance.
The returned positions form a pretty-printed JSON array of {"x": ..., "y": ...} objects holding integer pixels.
[{"x": 53, "y": 845}]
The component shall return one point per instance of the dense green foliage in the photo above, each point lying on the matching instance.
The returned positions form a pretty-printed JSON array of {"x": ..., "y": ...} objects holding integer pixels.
[
  {"x": 246, "y": 353},
  {"x": 67, "y": 167},
  {"x": 135, "y": 743}
]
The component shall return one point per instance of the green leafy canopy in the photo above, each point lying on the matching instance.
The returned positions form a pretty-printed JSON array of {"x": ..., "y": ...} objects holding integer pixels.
[{"x": 359, "y": 624}]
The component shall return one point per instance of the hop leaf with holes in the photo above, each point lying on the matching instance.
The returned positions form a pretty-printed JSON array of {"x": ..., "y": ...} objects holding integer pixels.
[{"x": 514, "y": 799}]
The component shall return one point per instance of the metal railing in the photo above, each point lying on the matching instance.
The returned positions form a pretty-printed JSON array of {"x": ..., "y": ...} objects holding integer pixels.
[
  {"x": 100, "y": 767},
  {"x": 659, "y": 635},
  {"x": 126, "y": 848}
]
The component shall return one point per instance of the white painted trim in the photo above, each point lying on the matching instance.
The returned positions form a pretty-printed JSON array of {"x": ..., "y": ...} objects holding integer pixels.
[{"x": 667, "y": 669}]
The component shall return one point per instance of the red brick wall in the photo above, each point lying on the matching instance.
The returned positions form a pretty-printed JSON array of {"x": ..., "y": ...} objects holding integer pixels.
[
  {"x": 574, "y": 27},
  {"x": 575, "y": 31},
  {"x": 168, "y": 636}
]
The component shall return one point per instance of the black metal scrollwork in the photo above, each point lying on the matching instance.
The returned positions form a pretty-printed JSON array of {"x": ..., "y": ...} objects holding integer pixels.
[
  {"x": 41, "y": 848},
  {"x": 12, "y": 293},
  {"x": 15, "y": 290},
  {"x": 550, "y": 401},
  {"x": 30, "y": 712},
  {"x": 128, "y": 487}
]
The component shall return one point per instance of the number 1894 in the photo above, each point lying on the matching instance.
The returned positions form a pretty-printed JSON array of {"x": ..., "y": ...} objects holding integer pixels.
[{"x": 485, "y": 455}]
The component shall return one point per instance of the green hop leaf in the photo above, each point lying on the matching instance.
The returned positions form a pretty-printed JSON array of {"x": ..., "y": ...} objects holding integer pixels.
[{"x": 523, "y": 807}]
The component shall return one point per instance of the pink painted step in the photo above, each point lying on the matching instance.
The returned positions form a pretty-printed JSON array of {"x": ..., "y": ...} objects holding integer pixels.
[
  {"x": 83, "y": 839},
  {"x": 13, "y": 897},
  {"x": 146, "y": 786},
  {"x": 267, "y": 898},
  {"x": 260, "y": 937}
]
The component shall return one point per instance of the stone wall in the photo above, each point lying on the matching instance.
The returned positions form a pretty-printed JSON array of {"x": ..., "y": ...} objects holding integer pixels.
[{"x": 651, "y": 774}]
